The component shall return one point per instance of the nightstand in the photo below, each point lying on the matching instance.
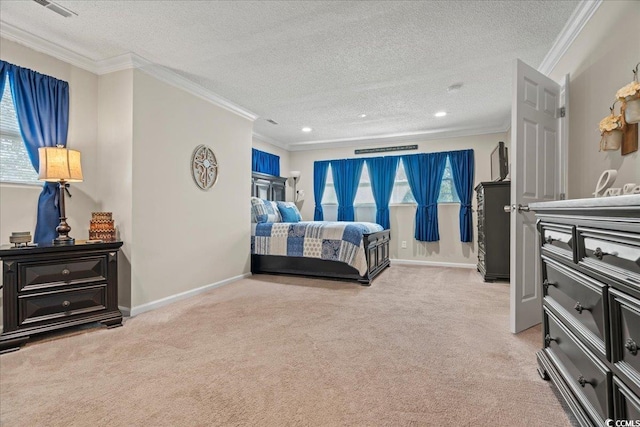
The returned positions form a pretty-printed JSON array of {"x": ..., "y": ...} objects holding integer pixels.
[{"x": 46, "y": 288}]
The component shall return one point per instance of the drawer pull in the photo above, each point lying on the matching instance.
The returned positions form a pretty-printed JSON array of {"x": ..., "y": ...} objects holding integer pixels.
[
  {"x": 579, "y": 308},
  {"x": 631, "y": 346},
  {"x": 547, "y": 340},
  {"x": 66, "y": 304},
  {"x": 582, "y": 381},
  {"x": 599, "y": 254},
  {"x": 65, "y": 272}
]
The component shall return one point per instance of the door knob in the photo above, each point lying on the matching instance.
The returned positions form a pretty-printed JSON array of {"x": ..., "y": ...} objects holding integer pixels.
[
  {"x": 507, "y": 208},
  {"x": 522, "y": 208}
]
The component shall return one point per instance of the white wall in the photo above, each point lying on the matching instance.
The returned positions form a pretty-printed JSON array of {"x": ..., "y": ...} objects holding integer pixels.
[
  {"x": 599, "y": 61},
  {"x": 136, "y": 135},
  {"x": 18, "y": 202},
  {"x": 449, "y": 249},
  {"x": 115, "y": 166},
  {"x": 183, "y": 237}
]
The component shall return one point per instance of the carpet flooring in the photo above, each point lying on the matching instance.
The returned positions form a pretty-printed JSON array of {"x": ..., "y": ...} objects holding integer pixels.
[{"x": 423, "y": 346}]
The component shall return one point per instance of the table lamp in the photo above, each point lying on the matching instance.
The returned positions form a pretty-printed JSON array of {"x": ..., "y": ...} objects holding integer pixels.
[{"x": 58, "y": 164}]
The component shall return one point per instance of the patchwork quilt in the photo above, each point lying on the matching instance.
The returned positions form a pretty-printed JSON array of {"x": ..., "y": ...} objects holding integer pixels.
[{"x": 335, "y": 241}]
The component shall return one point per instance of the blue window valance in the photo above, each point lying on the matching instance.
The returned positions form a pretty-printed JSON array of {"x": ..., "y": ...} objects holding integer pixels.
[{"x": 265, "y": 162}]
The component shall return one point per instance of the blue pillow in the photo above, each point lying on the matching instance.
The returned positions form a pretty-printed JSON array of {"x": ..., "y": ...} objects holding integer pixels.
[{"x": 289, "y": 212}]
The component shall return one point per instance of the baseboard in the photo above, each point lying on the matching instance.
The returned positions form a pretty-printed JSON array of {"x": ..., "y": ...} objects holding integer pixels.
[
  {"x": 126, "y": 311},
  {"x": 431, "y": 263},
  {"x": 177, "y": 297}
]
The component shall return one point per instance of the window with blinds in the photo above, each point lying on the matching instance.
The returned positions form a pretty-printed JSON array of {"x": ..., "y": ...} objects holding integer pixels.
[
  {"x": 401, "y": 191},
  {"x": 15, "y": 166}
]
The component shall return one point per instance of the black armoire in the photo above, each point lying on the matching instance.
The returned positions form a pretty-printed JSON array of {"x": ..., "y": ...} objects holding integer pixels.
[{"x": 493, "y": 229}]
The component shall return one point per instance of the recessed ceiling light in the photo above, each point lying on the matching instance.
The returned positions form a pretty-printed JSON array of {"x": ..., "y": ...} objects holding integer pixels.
[
  {"x": 306, "y": 129},
  {"x": 362, "y": 116},
  {"x": 440, "y": 114}
]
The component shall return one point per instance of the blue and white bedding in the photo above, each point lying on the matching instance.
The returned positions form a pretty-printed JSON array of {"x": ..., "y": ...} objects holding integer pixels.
[{"x": 335, "y": 241}]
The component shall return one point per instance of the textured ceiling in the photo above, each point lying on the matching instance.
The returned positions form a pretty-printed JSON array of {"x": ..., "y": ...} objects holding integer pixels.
[{"x": 321, "y": 64}]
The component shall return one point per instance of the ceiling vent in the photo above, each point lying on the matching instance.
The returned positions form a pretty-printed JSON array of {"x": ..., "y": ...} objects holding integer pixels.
[
  {"x": 55, "y": 7},
  {"x": 273, "y": 122}
]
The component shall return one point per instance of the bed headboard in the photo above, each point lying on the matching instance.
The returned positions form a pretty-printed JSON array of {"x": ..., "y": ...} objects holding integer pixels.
[{"x": 268, "y": 187}]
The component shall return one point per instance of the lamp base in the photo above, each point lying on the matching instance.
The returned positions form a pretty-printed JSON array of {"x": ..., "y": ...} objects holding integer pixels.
[{"x": 64, "y": 240}]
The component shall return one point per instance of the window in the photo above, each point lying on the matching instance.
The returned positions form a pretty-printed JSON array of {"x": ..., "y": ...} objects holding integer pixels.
[
  {"x": 401, "y": 190},
  {"x": 15, "y": 166}
]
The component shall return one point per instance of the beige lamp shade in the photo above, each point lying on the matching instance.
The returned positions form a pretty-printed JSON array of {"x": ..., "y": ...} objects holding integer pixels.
[
  {"x": 59, "y": 164},
  {"x": 295, "y": 174}
]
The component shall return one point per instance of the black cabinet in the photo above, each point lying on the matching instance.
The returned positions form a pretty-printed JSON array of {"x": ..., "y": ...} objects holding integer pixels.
[
  {"x": 590, "y": 284},
  {"x": 268, "y": 187},
  {"x": 46, "y": 288},
  {"x": 493, "y": 229}
]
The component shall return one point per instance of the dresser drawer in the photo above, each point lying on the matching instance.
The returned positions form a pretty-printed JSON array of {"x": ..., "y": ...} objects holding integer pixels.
[
  {"x": 580, "y": 299},
  {"x": 626, "y": 403},
  {"x": 625, "y": 329},
  {"x": 614, "y": 254},
  {"x": 47, "y": 306},
  {"x": 39, "y": 275},
  {"x": 558, "y": 239},
  {"x": 587, "y": 377}
]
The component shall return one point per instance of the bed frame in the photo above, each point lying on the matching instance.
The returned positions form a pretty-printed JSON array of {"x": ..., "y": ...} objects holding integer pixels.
[{"x": 376, "y": 247}]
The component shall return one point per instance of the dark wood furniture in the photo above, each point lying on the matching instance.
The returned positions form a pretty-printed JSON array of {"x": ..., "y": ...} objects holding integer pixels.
[
  {"x": 376, "y": 251},
  {"x": 493, "y": 230},
  {"x": 590, "y": 252},
  {"x": 46, "y": 288},
  {"x": 268, "y": 187},
  {"x": 376, "y": 246}
]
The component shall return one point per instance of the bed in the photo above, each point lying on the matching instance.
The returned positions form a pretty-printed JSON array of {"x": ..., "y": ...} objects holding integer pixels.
[{"x": 363, "y": 253}]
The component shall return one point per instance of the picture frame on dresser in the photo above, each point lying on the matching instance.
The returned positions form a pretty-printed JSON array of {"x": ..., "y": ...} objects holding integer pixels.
[
  {"x": 590, "y": 265},
  {"x": 49, "y": 287}
]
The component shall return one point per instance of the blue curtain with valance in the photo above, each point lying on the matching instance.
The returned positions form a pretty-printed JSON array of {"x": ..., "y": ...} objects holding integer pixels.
[
  {"x": 42, "y": 109},
  {"x": 346, "y": 177},
  {"x": 424, "y": 173},
  {"x": 265, "y": 162},
  {"x": 462, "y": 170},
  {"x": 320, "y": 169},
  {"x": 382, "y": 173}
]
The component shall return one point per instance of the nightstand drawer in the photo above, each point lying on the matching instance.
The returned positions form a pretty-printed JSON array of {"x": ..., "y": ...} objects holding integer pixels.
[
  {"x": 580, "y": 298},
  {"x": 588, "y": 378},
  {"x": 615, "y": 254},
  {"x": 47, "y": 306},
  {"x": 40, "y": 275},
  {"x": 625, "y": 328},
  {"x": 625, "y": 401},
  {"x": 558, "y": 239}
]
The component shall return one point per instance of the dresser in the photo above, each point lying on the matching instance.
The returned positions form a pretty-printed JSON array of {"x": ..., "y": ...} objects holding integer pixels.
[
  {"x": 590, "y": 257},
  {"x": 47, "y": 288},
  {"x": 493, "y": 229}
]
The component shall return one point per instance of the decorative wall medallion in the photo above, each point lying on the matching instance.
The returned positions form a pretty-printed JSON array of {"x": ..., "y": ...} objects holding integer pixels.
[{"x": 204, "y": 167}]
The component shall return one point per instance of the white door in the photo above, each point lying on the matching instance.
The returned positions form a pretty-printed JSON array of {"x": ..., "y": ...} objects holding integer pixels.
[{"x": 535, "y": 177}]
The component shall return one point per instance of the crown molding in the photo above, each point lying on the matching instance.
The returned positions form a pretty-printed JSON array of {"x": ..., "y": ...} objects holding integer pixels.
[
  {"x": 578, "y": 19},
  {"x": 47, "y": 47},
  {"x": 171, "y": 77},
  {"x": 121, "y": 62},
  {"x": 399, "y": 138},
  {"x": 271, "y": 141}
]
